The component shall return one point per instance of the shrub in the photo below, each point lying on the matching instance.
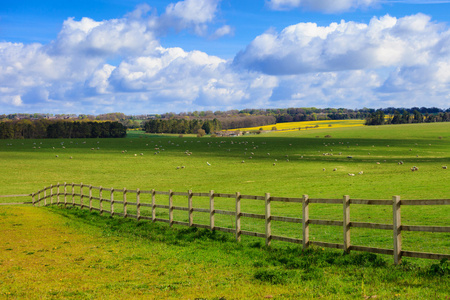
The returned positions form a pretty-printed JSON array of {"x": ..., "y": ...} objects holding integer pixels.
[
  {"x": 274, "y": 128},
  {"x": 213, "y": 135}
]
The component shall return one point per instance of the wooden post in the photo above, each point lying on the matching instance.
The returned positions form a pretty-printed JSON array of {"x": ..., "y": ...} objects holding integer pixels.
[
  {"x": 268, "y": 219},
  {"x": 90, "y": 197},
  {"x": 39, "y": 198},
  {"x": 170, "y": 208},
  {"x": 73, "y": 194},
  {"x": 238, "y": 216},
  {"x": 51, "y": 194},
  {"x": 138, "y": 204},
  {"x": 81, "y": 195},
  {"x": 125, "y": 204},
  {"x": 57, "y": 193},
  {"x": 45, "y": 196},
  {"x": 32, "y": 199},
  {"x": 153, "y": 206},
  {"x": 305, "y": 221},
  {"x": 346, "y": 223},
  {"x": 190, "y": 209},
  {"x": 211, "y": 209},
  {"x": 100, "y": 195},
  {"x": 397, "y": 230},
  {"x": 65, "y": 194},
  {"x": 112, "y": 201}
]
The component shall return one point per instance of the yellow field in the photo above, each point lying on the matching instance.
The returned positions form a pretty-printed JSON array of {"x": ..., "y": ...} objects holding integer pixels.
[{"x": 291, "y": 126}]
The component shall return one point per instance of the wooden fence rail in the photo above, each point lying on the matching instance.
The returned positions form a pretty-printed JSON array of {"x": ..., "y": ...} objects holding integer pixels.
[{"x": 41, "y": 198}]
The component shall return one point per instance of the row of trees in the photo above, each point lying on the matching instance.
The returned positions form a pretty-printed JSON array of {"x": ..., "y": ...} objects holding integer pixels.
[
  {"x": 242, "y": 121},
  {"x": 181, "y": 126},
  {"x": 405, "y": 117},
  {"x": 43, "y": 128}
]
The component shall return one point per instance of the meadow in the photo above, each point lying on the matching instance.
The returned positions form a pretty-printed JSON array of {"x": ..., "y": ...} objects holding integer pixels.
[{"x": 284, "y": 164}]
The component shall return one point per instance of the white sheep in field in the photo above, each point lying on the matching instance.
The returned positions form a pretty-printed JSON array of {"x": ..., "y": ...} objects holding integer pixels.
[
  {"x": 208, "y": 163},
  {"x": 335, "y": 169},
  {"x": 444, "y": 167},
  {"x": 361, "y": 172},
  {"x": 414, "y": 169},
  {"x": 351, "y": 174}
]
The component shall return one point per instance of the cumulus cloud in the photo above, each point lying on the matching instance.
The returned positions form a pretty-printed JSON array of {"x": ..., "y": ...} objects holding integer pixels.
[
  {"x": 190, "y": 14},
  {"x": 327, "y": 6},
  {"x": 307, "y": 47}
]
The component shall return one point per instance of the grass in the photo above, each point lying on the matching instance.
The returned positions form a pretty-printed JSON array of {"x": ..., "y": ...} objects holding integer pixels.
[
  {"x": 71, "y": 254},
  {"x": 26, "y": 169}
]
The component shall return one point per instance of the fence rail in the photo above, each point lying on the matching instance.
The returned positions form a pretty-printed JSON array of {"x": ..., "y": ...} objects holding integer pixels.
[{"x": 52, "y": 195}]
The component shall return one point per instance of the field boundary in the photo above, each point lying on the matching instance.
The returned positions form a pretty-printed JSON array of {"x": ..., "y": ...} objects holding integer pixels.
[{"x": 81, "y": 195}]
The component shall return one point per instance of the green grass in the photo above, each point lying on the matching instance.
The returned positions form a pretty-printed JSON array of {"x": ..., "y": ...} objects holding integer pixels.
[
  {"x": 26, "y": 169},
  {"x": 72, "y": 254}
]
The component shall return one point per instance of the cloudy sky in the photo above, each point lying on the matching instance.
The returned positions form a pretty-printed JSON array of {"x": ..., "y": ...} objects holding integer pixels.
[{"x": 135, "y": 57}]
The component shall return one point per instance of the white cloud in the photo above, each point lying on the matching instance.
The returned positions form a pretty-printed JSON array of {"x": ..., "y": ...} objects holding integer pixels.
[
  {"x": 327, "y": 6},
  {"x": 307, "y": 47},
  {"x": 191, "y": 14},
  {"x": 222, "y": 31}
]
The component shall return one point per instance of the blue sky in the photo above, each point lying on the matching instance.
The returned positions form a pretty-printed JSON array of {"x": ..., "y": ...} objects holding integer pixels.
[{"x": 138, "y": 57}]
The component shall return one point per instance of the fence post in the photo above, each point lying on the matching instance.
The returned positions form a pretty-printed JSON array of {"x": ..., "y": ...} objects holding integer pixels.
[
  {"x": 190, "y": 209},
  {"x": 268, "y": 219},
  {"x": 153, "y": 206},
  {"x": 39, "y": 198},
  {"x": 397, "y": 230},
  {"x": 211, "y": 209},
  {"x": 100, "y": 195},
  {"x": 51, "y": 194},
  {"x": 125, "y": 212},
  {"x": 81, "y": 195},
  {"x": 112, "y": 201},
  {"x": 305, "y": 221},
  {"x": 170, "y": 208},
  {"x": 138, "y": 204},
  {"x": 90, "y": 197},
  {"x": 65, "y": 194},
  {"x": 238, "y": 216},
  {"x": 45, "y": 196},
  {"x": 57, "y": 194},
  {"x": 346, "y": 223},
  {"x": 73, "y": 194},
  {"x": 32, "y": 199}
]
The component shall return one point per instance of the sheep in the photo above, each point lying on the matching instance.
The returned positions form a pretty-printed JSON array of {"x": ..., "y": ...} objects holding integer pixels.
[
  {"x": 414, "y": 169},
  {"x": 444, "y": 167},
  {"x": 135, "y": 154},
  {"x": 361, "y": 172},
  {"x": 57, "y": 156},
  {"x": 323, "y": 169},
  {"x": 335, "y": 169},
  {"x": 208, "y": 163},
  {"x": 400, "y": 162},
  {"x": 274, "y": 164},
  {"x": 142, "y": 154},
  {"x": 378, "y": 162},
  {"x": 351, "y": 174},
  {"x": 243, "y": 161}
]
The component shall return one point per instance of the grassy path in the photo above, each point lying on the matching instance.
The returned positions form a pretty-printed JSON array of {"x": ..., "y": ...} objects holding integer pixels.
[{"x": 71, "y": 254}]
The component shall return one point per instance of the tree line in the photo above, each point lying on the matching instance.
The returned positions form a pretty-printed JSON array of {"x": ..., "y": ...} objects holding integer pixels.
[
  {"x": 405, "y": 117},
  {"x": 44, "y": 128},
  {"x": 181, "y": 126}
]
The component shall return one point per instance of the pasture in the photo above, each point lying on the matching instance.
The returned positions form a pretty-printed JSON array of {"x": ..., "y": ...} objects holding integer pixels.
[{"x": 287, "y": 164}]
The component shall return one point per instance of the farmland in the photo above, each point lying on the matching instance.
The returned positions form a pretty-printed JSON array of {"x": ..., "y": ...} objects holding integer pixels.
[{"x": 286, "y": 164}]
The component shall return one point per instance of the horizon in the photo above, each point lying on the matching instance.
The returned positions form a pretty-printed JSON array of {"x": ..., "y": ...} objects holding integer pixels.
[{"x": 93, "y": 57}]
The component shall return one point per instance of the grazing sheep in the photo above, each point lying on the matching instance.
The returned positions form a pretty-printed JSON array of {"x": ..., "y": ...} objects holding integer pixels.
[
  {"x": 208, "y": 163},
  {"x": 57, "y": 156},
  {"x": 273, "y": 164},
  {"x": 361, "y": 172},
  {"x": 71, "y": 157},
  {"x": 243, "y": 161},
  {"x": 323, "y": 169},
  {"x": 351, "y": 174},
  {"x": 414, "y": 169},
  {"x": 183, "y": 167},
  {"x": 335, "y": 169},
  {"x": 400, "y": 163},
  {"x": 378, "y": 162},
  {"x": 178, "y": 168},
  {"x": 142, "y": 154},
  {"x": 444, "y": 167}
]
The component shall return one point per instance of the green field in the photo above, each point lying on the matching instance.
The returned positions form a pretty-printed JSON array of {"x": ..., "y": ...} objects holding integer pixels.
[{"x": 286, "y": 164}]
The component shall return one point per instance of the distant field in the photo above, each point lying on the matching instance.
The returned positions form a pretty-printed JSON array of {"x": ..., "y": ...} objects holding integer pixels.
[{"x": 305, "y": 125}]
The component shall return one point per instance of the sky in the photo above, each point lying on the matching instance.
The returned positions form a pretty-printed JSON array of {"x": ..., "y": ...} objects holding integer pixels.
[{"x": 154, "y": 56}]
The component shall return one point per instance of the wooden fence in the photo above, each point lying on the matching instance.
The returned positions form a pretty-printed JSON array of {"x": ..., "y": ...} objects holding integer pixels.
[{"x": 84, "y": 199}]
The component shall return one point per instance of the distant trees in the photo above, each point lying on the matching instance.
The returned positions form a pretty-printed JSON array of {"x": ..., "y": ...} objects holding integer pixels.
[
  {"x": 44, "y": 128},
  {"x": 406, "y": 116},
  {"x": 182, "y": 126}
]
